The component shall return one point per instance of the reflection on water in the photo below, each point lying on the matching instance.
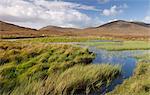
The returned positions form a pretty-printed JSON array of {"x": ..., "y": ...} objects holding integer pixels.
[{"x": 124, "y": 58}]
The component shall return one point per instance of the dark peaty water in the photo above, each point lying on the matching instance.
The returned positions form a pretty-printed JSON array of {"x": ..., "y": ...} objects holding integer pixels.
[{"x": 124, "y": 58}]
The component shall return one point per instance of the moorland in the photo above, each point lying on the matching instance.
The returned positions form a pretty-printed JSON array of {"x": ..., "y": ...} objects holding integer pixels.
[{"x": 58, "y": 61}]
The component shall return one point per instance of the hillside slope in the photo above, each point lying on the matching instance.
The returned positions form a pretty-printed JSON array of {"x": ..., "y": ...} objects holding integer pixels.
[
  {"x": 119, "y": 29},
  {"x": 11, "y": 29}
]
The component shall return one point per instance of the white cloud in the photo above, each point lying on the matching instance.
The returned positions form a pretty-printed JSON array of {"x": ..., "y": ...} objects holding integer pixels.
[
  {"x": 39, "y": 13},
  {"x": 147, "y": 19},
  {"x": 114, "y": 10},
  {"x": 54, "y": 5}
]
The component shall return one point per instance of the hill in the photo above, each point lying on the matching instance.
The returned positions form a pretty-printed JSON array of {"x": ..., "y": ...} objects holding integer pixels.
[
  {"x": 55, "y": 30},
  {"x": 62, "y": 29},
  {"x": 119, "y": 28},
  {"x": 4, "y": 26},
  {"x": 11, "y": 29}
]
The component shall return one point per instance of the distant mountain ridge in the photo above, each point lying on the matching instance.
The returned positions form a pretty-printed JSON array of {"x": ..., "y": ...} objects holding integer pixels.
[
  {"x": 119, "y": 28},
  {"x": 62, "y": 29},
  {"x": 4, "y": 26},
  {"x": 142, "y": 24},
  {"x": 124, "y": 23}
]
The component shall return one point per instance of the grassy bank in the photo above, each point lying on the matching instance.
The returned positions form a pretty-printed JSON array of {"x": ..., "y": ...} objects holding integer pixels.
[
  {"x": 121, "y": 45},
  {"x": 108, "y": 44},
  {"x": 43, "y": 69},
  {"x": 139, "y": 83},
  {"x": 67, "y": 39}
]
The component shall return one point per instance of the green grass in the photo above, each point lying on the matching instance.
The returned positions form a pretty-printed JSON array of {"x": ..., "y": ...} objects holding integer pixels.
[
  {"x": 75, "y": 80},
  {"x": 139, "y": 83},
  {"x": 67, "y": 39},
  {"x": 43, "y": 69},
  {"x": 85, "y": 78},
  {"x": 124, "y": 45},
  {"x": 112, "y": 46}
]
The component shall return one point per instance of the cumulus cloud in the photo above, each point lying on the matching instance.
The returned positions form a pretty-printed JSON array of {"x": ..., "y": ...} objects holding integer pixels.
[
  {"x": 114, "y": 10},
  {"x": 39, "y": 13}
]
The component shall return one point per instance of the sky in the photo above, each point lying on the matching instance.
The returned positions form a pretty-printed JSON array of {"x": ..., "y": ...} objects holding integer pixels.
[{"x": 72, "y": 13}]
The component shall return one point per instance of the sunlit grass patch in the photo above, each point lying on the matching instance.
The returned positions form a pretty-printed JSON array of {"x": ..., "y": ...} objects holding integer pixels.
[
  {"x": 121, "y": 45},
  {"x": 79, "y": 79},
  {"x": 43, "y": 69},
  {"x": 85, "y": 78},
  {"x": 66, "y": 39}
]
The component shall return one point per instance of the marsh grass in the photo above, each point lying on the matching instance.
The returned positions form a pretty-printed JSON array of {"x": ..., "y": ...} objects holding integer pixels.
[
  {"x": 44, "y": 69},
  {"x": 85, "y": 78},
  {"x": 123, "y": 45},
  {"x": 139, "y": 83},
  {"x": 67, "y": 39}
]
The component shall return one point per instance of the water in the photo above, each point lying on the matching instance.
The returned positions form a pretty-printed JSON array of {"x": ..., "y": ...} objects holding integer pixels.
[{"x": 124, "y": 58}]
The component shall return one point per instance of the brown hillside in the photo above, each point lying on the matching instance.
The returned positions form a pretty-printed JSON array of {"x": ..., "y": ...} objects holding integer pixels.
[
  {"x": 119, "y": 29},
  {"x": 55, "y": 30},
  {"x": 11, "y": 29},
  {"x": 62, "y": 29}
]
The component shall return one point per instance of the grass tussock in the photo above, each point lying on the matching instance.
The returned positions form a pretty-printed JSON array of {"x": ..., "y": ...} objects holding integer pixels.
[
  {"x": 85, "y": 78},
  {"x": 139, "y": 83},
  {"x": 43, "y": 69}
]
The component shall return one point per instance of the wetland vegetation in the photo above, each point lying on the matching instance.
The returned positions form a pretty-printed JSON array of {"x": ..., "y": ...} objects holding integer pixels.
[
  {"x": 37, "y": 67},
  {"x": 139, "y": 83},
  {"x": 67, "y": 39},
  {"x": 120, "y": 45},
  {"x": 106, "y": 43},
  {"x": 74, "y": 47},
  {"x": 43, "y": 69}
]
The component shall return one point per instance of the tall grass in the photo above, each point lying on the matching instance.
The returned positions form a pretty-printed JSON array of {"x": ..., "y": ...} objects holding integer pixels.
[
  {"x": 139, "y": 83},
  {"x": 43, "y": 69}
]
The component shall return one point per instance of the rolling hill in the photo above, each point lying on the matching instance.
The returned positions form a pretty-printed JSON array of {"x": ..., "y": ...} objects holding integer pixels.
[
  {"x": 55, "y": 30},
  {"x": 4, "y": 26},
  {"x": 15, "y": 30},
  {"x": 119, "y": 28}
]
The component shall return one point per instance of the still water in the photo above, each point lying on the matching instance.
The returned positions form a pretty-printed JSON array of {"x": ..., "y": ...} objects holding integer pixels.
[{"x": 124, "y": 58}]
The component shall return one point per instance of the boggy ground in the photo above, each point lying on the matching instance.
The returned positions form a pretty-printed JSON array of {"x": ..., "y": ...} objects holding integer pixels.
[
  {"x": 106, "y": 43},
  {"x": 139, "y": 83},
  {"x": 120, "y": 45},
  {"x": 43, "y": 69}
]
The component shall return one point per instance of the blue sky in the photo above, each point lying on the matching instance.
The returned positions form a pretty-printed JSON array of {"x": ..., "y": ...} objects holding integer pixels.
[
  {"x": 72, "y": 13},
  {"x": 136, "y": 9}
]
